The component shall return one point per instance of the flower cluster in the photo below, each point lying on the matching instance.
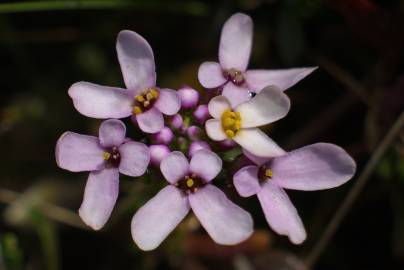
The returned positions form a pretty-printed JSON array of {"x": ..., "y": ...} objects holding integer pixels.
[{"x": 182, "y": 137}]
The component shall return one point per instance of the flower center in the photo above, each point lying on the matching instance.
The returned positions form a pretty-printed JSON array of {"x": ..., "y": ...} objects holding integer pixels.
[
  {"x": 112, "y": 157},
  {"x": 231, "y": 123},
  {"x": 264, "y": 174},
  {"x": 234, "y": 75},
  {"x": 145, "y": 100},
  {"x": 190, "y": 184}
]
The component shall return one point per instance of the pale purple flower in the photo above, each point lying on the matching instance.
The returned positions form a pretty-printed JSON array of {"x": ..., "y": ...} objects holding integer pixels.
[
  {"x": 196, "y": 146},
  {"x": 164, "y": 136},
  {"x": 105, "y": 157},
  {"x": 158, "y": 152},
  {"x": 201, "y": 114},
  {"x": 189, "y": 97},
  {"x": 313, "y": 167},
  {"x": 190, "y": 188},
  {"x": 141, "y": 100},
  {"x": 231, "y": 71},
  {"x": 241, "y": 123}
]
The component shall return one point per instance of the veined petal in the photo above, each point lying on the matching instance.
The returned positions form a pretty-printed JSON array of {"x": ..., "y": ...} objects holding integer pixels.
[
  {"x": 246, "y": 181},
  {"x": 205, "y": 164},
  {"x": 280, "y": 213},
  {"x": 112, "y": 133},
  {"x": 155, "y": 220},
  {"x": 218, "y": 105},
  {"x": 269, "y": 105},
  {"x": 135, "y": 158},
  {"x": 257, "y": 142},
  {"x": 235, "y": 42},
  {"x": 76, "y": 152},
  {"x": 168, "y": 101},
  {"x": 99, "y": 197},
  {"x": 210, "y": 75},
  {"x": 282, "y": 78},
  {"x": 236, "y": 94},
  {"x": 174, "y": 167},
  {"x": 214, "y": 129},
  {"x": 313, "y": 167},
  {"x": 137, "y": 61},
  {"x": 102, "y": 102},
  {"x": 225, "y": 222},
  {"x": 151, "y": 121}
]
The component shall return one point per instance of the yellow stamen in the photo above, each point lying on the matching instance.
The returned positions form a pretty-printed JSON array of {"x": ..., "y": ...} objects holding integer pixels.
[
  {"x": 229, "y": 133},
  {"x": 268, "y": 173},
  {"x": 231, "y": 123},
  {"x": 106, "y": 155},
  {"x": 190, "y": 182},
  {"x": 139, "y": 98},
  {"x": 137, "y": 110}
]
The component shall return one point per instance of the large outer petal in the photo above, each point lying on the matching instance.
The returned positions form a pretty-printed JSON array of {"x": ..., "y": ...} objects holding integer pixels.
[
  {"x": 137, "y": 61},
  {"x": 235, "y": 42},
  {"x": 218, "y": 105},
  {"x": 225, "y": 222},
  {"x": 257, "y": 142},
  {"x": 76, "y": 152},
  {"x": 112, "y": 133},
  {"x": 135, "y": 158},
  {"x": 282, "y": 78},
  {"x": 214, "y": 130},
  {"x": 313, "y": 167},
  {"x": 174, "y": 167},
  {"x": 155, "y": 220},
  {"x": 102, "y": 102},
  {"x": 99, "y": 197},
  {"x": 269, "y": 105},
  {"x": 151, "y": 121},
  {"x": 210, "y": 75},
  {"x": 246, "y": 181},
  {"x": 280, "y": 213},
  {"x": 168, "y": 102},
  {"x": 205, "y": 164},
  {"x": 236, "y": 94}
]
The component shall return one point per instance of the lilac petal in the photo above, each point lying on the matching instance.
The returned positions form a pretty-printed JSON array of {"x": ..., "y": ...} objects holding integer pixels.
[
  {"x": 210, "y": 75},
  {"x": 174, "y": 167},
  {"x": 256, "y": 159},
  {"x": 246, "y": 181},
  {"x": 168, "y": 101},
  {"x": 257, "y": 142},
  {"x": 236, "y": 94},
  {"x": 269, "y": 105},
  {"x": 280, "y": 213},
  {"x": 102, "y": 102},
  {"x": 112, "y": 133},
  {"x": 236, "y": 42},
  {"x": 99, "y": 197},
  {"x": 218, "y": 105},
  {"x": 158, "y": 152},
  {"x": 151, "y": 121},
  {"x": 76, "y": 152},
  {"x": 214, "y": 130},
  {"x": 137, "y": 61},
  {"x": 282, "y": 78},
  {"x": 135, "y": 158},
  {"x": 313, "y": 167},
  {"x": 205, "y": 164},
  {"x": 155, "y": 220},
  {"x": 225, "y": 222}
]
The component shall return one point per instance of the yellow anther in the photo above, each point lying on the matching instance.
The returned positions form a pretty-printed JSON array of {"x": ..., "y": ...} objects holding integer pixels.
[
  {"x": 229, "y": 133},
  {"x": 190, "y": 182},
  {"x": 154, "y": 93},
  {"x": 228, "y": 122},
  {"x": 137, "y": 110},
  {"x": 268, "y": 173},
  {"x": 149, "y": 96},
  {"x": 139, "y": 98},
  {"x": 146, "y": 103},
  {"x": 231, "y": 123},
  {"x": 106, "y": 155}
]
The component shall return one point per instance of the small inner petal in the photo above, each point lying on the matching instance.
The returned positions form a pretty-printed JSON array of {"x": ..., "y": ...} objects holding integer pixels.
[
  {"x": 190, "y": 183},
  {"x": 234, "y": 75},
  {"x": 231, "y": 123},
  {"x": 145, "y": 100},
  {"x": 264, "y": 174},
  {"x": 112, "y": 157}
]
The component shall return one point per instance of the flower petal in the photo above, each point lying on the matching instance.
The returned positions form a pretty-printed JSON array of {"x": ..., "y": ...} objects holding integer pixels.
[
  {"x": 99, "y": 197},
  {"x": 210, "y": 75},
  {"x": 280, "y": 213},
  {"x": 246, "y": 181},
  {"x": 225, "y": 222},
  {"x": 135, "y": 158},
  {"x": 174, "y": 167},
  {"x": 205, "y": 164},
  {"x": 313, "y": 167},
  {"x": 155, "y": 220},
  {"x": 101, "y": 102},
  {"x": 282, "y": 78},
  {"x": 168, "y": 101},
  {"x": 76, "y": 152},
  {"x": 236, "y": 42},
  {"x": 257, "y": 142},
  {"x": 218, "y": 105},
  {"x": 151, "y": 121},
  {"x": 137, "y": 61},
  {"x": 214, "y": 130},
  {"x": 112, "y": 133},
  {"x": 236, "y": 94},
  {"x": 269, "y": 105},
  {"x": 256, "y": 159}
]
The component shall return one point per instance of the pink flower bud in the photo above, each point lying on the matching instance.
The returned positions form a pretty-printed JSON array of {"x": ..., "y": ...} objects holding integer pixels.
[
  {"x": 201, "y": 114},
  {"x": 157, "y": 153},
  {"x": 176, "y": 121},
  {"x": 164, "y": 136},
  {"x": 194, "y": 132},
  {"x": 197, "y": 145},
  {"x": 189, "y": 97}
]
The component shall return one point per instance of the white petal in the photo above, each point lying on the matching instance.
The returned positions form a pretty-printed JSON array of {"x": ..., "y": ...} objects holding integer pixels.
[
  {"x": 213, "y": 128},
  {"x": 218, "y": 105},
  {"x": 210, "y": 75}
]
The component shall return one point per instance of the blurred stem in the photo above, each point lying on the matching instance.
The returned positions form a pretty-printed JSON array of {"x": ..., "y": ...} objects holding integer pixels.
[{"x": 336, "y": 220}]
